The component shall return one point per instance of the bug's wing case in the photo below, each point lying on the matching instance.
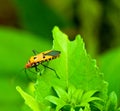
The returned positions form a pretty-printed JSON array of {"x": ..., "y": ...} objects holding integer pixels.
[{"x": 53, "y": 53}]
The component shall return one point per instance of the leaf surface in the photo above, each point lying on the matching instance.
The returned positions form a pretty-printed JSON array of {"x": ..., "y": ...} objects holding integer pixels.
[{"x": 74, "y": 66}]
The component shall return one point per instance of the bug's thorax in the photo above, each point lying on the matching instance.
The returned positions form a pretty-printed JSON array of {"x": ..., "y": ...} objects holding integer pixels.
[{"x": 34, "y": 60}]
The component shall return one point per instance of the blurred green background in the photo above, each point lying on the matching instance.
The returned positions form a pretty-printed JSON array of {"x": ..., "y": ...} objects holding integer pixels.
[{"x": 27, "y": 25}]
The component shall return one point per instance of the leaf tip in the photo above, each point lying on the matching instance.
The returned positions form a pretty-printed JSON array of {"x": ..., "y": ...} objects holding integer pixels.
[
  {"x": 18, "y": 88},
  {"x": 55, "y": 28}
]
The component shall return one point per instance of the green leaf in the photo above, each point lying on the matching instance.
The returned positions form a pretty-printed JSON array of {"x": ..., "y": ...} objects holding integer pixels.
[
  {"x": 61, "y": 93},
  {"x": 98, "y": 105},
  {"x": 80, "y": 109},
  {"x": 29, "y": 100},
  {"x": 72, "y": 109},
  {"x": 57, "y": 101},
  {"x": 74, "y": 95},
  {"x": 87, "y": 97},
  {"x": 54, "y": 100},
  {"x": 71, "y": 90},
  {"x": 74, "y": 67},
  {"x": 112, "y": 102},
  {"x": 77, "y": 96},
  {"x": 94, "y": 99},
  {"x": 89, "y": 94},
  {"x": 87, "y": 108}
]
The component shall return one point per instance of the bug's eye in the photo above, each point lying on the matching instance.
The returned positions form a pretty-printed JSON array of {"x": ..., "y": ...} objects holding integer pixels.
[
  {"x": 34, "y": 57},
  {"x": 43, "y": 56}
]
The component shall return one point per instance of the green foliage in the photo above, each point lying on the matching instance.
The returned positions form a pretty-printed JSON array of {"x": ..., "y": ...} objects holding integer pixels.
[
  {"x": 37, "y": 18},
  {"x": 109, "y": 64},
  {"x": 16, "y": 47},
  {"x": 72, "y": 98},
  {"x": 81, "y": 86},
  {"x": 111, "y": 104},
  {"x": 29, "y": 100},
  {"x": 97, "y": 21},
  {"x": 89, "y": 12}
]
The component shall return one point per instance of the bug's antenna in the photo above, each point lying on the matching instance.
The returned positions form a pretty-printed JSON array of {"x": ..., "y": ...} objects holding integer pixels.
[
  {"x": 25, "y": 70},
  {"x": 35, "y": 52}
]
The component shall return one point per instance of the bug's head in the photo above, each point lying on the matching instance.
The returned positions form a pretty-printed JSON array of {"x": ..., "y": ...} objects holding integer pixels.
[
  {"x": 28, "y": 65},
  {"x": 31, "y": 62}
]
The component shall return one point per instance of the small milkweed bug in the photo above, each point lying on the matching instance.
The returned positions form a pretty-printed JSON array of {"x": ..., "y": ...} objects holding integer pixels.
[{"x": 38, "y": 59}]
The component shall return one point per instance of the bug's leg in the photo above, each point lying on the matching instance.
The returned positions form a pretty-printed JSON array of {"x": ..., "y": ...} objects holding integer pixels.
[
  {"x": 28, "y": 74},
  {"x": 37, "y": 69},
  {"x": 32, "y": 71},
  {"x": 51, "y": 69},
  {"x": 35, "y": 52}
]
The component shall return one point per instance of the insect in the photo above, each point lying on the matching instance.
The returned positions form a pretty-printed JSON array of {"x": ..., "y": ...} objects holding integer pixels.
[{"x": 40, "y": 58}]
